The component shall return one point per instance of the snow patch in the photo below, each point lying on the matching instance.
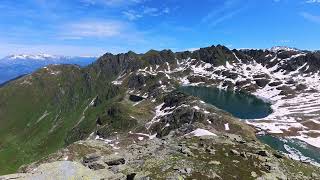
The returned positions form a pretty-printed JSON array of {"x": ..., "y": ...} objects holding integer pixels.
[
  {"x": 45, "y": 114},
  {"x": 110, "y": 142},
  {"x": 201, "y": 132},
  {"x": 226, "y": 127},
  {"x": 150, "y": 136}
]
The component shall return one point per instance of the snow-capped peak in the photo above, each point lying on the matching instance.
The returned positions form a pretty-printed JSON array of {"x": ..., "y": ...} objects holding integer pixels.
[{"x": 282, "y": 48}]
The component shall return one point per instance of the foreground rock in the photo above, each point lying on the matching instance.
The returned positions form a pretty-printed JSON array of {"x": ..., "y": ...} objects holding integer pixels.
[
  {"x": 61, "y": 170},
  {"x": 186, "y": 157}
]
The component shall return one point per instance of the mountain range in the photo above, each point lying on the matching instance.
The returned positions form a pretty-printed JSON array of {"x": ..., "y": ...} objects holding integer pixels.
[
  {"x": 122, "y": 116},
  {"x": 14, "y": 66}
]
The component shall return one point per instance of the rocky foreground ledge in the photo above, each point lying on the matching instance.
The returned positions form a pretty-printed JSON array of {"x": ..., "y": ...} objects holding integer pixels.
[
  {"x": 187, "y": 157},
  {"x": 193, "y": 150}
]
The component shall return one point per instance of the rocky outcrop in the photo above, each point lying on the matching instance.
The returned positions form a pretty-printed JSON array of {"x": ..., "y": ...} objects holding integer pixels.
[
  {"x": 135, "y": 98},
  {"x": 188, "y": 157}
]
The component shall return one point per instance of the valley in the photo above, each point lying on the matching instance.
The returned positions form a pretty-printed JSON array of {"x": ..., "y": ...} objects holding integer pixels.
[{"x": 127, "y": 100}]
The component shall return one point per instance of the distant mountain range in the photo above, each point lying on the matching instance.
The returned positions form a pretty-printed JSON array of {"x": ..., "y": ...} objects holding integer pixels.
[{"x": 14, "y": 66}]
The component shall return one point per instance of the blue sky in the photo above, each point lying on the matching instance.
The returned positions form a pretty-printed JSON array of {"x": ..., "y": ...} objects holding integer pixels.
[{"x": 93, "y": 27}]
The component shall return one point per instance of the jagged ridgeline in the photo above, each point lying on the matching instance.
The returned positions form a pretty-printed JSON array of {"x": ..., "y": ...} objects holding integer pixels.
[{"x": 58, "y": 105}]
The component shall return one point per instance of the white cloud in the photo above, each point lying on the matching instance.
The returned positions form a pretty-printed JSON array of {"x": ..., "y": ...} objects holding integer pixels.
[
  {"x": 284, "y": 41},
  {"x": 310, "y": 17},
  {"x": 227, "y": 10},
  {"x": 112, "y": 2},
  {"x": 225, "y": 17},
  {"x": 94, "y": 29},
  {"x": 145, "y": 11},
  {"x": 132, "y": 15},
  {"x": 313, "y": 1},
  {"x": 150, "y": 10},
  {"x": 67, "y": 50},
  {"x": 114, "y": 32},
  {"x": 166, "y": 10}
]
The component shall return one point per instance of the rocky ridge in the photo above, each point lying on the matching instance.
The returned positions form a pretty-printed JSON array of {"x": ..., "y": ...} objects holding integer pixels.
[
  {"x": 288, "y": 78},
  {"x": 163, "y": 121}
]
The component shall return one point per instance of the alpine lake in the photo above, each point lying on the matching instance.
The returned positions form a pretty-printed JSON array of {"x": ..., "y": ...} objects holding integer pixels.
[{"x": 245, "y": 106}]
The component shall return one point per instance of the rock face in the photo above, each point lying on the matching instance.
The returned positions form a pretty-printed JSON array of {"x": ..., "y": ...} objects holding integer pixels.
[
  {"x": 114, "y": 160},
  {"x": 135, "y": 98},
  {"x": 122, "y": 115}
]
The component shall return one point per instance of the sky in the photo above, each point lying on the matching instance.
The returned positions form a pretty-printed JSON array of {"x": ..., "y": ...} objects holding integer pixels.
[{"x": 94, "y": 27}]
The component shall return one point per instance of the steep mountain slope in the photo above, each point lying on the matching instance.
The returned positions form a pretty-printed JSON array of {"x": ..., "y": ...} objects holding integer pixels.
[
  {"x": 16, "y": 65},
  {"x": 131, "y": 95},
  {"x": 46, "y": 105},
  {"x": 55, "y": 106}
]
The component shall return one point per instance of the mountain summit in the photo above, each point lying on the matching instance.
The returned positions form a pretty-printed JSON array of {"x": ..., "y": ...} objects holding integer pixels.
[
  {"x": 283, "y": 48},
  {"x": 123, "y": 116}
]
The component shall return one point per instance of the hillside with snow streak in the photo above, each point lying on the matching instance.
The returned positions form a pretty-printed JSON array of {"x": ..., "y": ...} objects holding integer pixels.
[{"x": 287, "y": 78}]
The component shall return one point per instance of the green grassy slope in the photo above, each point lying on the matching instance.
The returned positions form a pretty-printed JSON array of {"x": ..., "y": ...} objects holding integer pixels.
[{"x": 38, "y": 112}]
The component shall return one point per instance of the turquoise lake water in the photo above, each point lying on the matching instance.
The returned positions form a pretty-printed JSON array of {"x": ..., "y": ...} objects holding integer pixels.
[
  {"x": 241, "y": 105},
  {"x": 245, "y": 106},
  {"x": 302, "y": 150}
]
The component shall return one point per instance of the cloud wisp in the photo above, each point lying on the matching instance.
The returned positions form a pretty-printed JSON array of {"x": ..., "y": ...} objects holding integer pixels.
[
  {"x": 310, "y": 17},
  {"x": 113, "y": 31},
  {"x": 95, "y": 29},
  {"x": 313, "y": 1},
  {"x": 145, "y": 11},
  {"x": 112, "y": 3},
  {"x": 227, "y": 10},
  {"x": 55, "y": 49}
]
